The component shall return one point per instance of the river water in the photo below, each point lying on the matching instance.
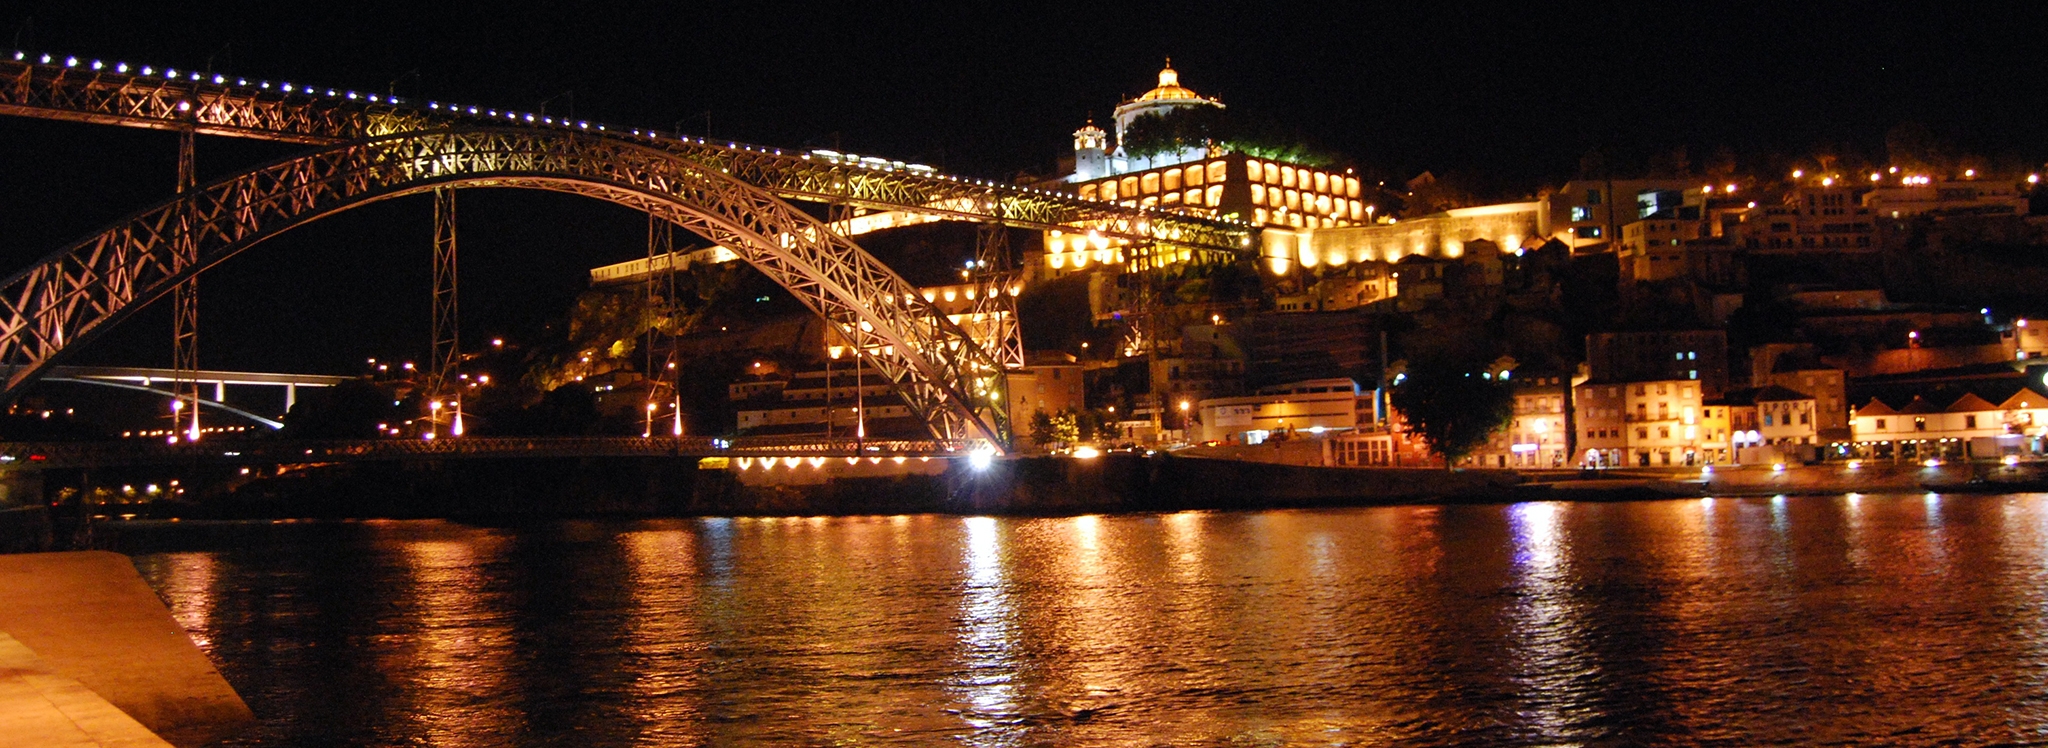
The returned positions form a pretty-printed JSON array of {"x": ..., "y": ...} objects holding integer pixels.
[{"x": 1801, "y": 620}]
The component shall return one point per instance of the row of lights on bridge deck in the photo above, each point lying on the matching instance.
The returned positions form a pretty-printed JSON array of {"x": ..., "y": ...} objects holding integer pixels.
[{"x": 527, "y": 117}]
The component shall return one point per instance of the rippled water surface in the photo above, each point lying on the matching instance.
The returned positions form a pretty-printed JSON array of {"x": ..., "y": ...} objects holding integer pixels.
[{"x": 1878, "y": 619}]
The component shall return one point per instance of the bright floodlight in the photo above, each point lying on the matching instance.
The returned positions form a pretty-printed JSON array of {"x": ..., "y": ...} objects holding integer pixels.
[{"x": 981, "y": 458}]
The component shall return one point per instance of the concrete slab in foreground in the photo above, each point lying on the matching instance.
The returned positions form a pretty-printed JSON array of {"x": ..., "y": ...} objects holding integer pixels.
[
  {"x": 88, "y": 617},
  {"x": 40, "y": 708}
]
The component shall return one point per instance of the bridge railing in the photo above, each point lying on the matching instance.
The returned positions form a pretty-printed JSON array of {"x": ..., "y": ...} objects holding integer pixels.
[{"x": 290, "y": 451}]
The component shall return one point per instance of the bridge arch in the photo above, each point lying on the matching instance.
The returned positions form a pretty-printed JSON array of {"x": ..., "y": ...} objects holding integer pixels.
[{"x": 66, "y": 299}]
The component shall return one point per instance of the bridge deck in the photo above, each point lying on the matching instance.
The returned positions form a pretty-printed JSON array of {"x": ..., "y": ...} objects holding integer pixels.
[{"x": 288, "y": 451}]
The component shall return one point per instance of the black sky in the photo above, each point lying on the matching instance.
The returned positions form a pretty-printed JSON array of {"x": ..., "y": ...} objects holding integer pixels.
[{"x": 1506, "y": 97}]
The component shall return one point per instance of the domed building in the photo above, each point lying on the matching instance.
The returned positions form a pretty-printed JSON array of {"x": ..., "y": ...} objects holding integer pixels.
[{"x": 1207, "y": 180}]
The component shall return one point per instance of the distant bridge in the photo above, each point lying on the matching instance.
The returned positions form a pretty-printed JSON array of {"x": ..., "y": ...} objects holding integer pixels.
[
  {"x": 143, "y": 453},
  {"x": 155, "y": 381}
]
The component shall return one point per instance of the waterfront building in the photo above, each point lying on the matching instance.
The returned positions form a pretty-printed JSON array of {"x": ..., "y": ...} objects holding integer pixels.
[
  {"x": 1794, "y": 366},
  {"x": 1540, "y": 435},
  {"x": 1641, "y": 423},
  {"x": 1981, "y": 420},
  {"x": 1315, "y": 406},
  {"x": 1048, "y": 383}
]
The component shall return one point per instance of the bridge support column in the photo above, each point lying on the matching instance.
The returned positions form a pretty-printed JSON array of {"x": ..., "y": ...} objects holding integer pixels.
[
  {"x": 446, "y": 357},
  {"x": 291, "y": 397},
  {"x": 661, "y": 370},
  {"x": 185, "y": 305}
]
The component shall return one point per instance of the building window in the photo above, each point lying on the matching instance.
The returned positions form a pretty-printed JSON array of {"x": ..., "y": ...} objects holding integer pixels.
[
  {"x": 1216, "y": 173},
  {"x": 1969, "y": 422},
  {"x": 1880, "y": 424},
  {"x": 1194, "y": 196},
  {"x": 1258, "y": 194},
  {"x": 1087, "y": 192},
  {"x": 1919, "y": 424},
  {"x": 1215, "y": 194},
  {"x": 1149, "y": 183},
  {"x": 1172, "y": 179}
]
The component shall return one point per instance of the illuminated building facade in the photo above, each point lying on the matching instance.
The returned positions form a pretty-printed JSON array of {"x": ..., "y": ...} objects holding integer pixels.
[{"x": 1207, "y": 181}]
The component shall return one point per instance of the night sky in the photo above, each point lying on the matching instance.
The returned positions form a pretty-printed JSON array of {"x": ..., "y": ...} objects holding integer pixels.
[{"x": 1506, "y": 100}]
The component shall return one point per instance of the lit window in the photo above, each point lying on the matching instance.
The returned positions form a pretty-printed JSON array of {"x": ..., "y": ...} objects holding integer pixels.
[
  {"x": 1357, "y": 210},
  {"x": 1216, "y": 173},
  {"x": 1287, "y": 176},
  {"x": 1149, "y": 183},
  {"x": 1322, "y": 182},
  {"x": 1351, "y": 188},
  {"x": 1194, "y": 196},
  {"x": 1272, "y": 173},
  {"x": 1172, "y": 177},
  {"x": 1171, "y": 198},
  {"x": 1148, "y": 202},
  {"x": 1215, "y": 194},
  {"x": 1323, "y": 204},
  {"x": 1293, "y": 200},
  {"x": 1258, "y": 194},
  {"x": 1275, "y": 197},
  {"x": 1088, "y": 192},
  {"x": 1252, "y": 168},
  {"x": 1128, "y": 186},
  {"x": 1109, "y": 190},
  {"x": 1194, "y": 176},
  {"x": 1259, "y": 215}
]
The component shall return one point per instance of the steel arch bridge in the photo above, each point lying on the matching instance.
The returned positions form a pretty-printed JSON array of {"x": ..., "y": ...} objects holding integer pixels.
[{"x": 70, "y": 296}]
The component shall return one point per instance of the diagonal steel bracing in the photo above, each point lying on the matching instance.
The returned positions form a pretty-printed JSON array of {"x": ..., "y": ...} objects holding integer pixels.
[{"x": 68, "y": 297}]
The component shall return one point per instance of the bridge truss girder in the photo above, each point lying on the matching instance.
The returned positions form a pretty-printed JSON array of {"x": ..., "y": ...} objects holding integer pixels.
[
  {"x": 235, "y": 108},
  {"x": 72, "y": 295}
]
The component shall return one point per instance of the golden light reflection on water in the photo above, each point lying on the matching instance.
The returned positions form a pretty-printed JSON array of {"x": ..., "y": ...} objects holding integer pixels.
[
  {"x": 1547, "y": 644},
  {"x": 1859, "y": 620},
  {"x": 188, "y": 584},
  {"x": 987, "y": 685},
  {"x": 457, "y": 665},
  {"x": 664, "y": 647}
]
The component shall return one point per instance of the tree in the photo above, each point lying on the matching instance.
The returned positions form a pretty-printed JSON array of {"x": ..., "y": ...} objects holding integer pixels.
[
  {"x": 350, "y": 410},
  {"x": 1230, "y": 129},
  {"x": 1054, "y": 430},
  {"x": 1455, "y": 404}
]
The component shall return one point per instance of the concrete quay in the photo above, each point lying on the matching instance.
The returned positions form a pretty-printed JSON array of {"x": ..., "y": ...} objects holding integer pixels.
[{"x": 90, "y": 657}]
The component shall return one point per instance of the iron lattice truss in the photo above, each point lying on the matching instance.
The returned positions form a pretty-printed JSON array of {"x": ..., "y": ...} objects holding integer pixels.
[
  {"x": 221, "y": 105},
  {"x": 71, "y": 295}
]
